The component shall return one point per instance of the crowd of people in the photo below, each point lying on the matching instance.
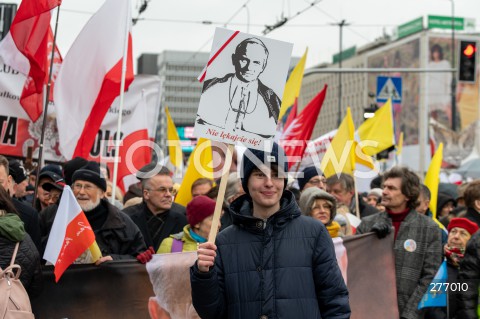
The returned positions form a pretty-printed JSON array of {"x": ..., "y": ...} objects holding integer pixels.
[{"x": 274, "y": 255}]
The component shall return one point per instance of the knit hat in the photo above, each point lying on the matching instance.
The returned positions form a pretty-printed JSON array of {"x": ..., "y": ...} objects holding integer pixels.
[
  {"x": 311, "y": 194},
  {"x": 71, "y": 166},
  {"x": 18, "y": 172},
  {"x": 91, "y": 173},
  {"x": 199, "y": 208},
  {"x": 464, "y": 223},
  {"x": 308, "y": 173},
  {"x": 276, "y": 156},
  {"x": 376, "y": 191}
]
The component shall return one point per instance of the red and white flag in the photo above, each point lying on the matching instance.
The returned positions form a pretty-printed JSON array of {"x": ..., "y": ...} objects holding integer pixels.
[
  {"x": 297, "y": 134},
  {"x": 71, "y": 234},
  {"x": 57, "y": 62},
  {"x": 90, "y": 76},
  {"x": 140, "y": 114},
  {"x": 24, "y": 48}
]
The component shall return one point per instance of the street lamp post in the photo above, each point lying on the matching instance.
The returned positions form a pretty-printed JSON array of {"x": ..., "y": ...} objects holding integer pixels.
[{"x": 341, "y": 24}]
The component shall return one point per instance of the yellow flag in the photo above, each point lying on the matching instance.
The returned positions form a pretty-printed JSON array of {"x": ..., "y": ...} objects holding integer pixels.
[
  {"x": 376, "y": 133},
  {"x": 199, "y": 166},
  {"x": 174, "y": 147},
  {"x": 400, "y": 144},
  {"x": 293, "y": 85},
  {"x": 340, "y": 155},
  {"x": 95, "y": 251},
  {"x": 432, "y": 179}
]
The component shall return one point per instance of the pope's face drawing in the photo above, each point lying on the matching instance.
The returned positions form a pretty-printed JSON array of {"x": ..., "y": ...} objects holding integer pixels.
[{"x": 249, "y": 62}]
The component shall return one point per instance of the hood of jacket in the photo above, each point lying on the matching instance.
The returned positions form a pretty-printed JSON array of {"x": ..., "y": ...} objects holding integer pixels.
[
  {"x": 12, "y": 228},
  {"x": 242, "y": 212}
]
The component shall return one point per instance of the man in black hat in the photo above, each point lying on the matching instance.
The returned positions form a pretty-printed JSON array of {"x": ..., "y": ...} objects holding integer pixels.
[
  {"x": 20, "y": 179},
  {"x": 116, "y": 235},
  {"x": 157, "y": 215},
  {"x": 27, "y": 214},
  {"x": 272, "y": 261}
]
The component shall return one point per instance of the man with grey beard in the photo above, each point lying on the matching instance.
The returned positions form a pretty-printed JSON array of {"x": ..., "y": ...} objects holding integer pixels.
[{"x": 116, "y": 235}]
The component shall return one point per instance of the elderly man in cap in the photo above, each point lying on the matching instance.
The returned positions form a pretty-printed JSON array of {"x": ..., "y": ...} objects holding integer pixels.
[
  {"x": 157, "y": 216},
  {"x": 116, "y": 235},
  {"x": 272, "y": 262}
]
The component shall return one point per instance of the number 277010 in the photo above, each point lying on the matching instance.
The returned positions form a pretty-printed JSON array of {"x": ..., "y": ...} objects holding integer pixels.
[{"x": 446, "y": 286}]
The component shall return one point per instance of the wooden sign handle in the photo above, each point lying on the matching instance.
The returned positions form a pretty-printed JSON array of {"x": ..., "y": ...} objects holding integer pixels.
[{"x": 221, "y": 194}]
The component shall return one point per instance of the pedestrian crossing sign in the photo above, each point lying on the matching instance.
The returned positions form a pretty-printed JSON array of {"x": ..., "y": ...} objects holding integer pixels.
[{"x": 389, "y": 88}]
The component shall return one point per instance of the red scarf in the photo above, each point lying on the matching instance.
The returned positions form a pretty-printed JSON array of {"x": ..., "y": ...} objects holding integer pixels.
[
  {"x": 397, "y": 219},
  {"x": 454, "y": 254}
]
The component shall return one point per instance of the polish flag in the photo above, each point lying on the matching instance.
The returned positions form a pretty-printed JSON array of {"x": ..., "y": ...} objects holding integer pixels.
[
  {"x": 71, "y": 234},
  {"x": 24, "y": 48},
  {"x": 57, "y": 62},
  {"x": 90, "y": 76}
]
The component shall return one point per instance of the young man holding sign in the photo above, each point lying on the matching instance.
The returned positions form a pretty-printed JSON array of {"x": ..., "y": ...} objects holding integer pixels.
[{"x": 272, "y": 262}]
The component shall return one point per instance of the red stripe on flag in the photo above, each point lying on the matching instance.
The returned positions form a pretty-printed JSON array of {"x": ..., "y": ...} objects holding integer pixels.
[
  {"x": 78, "y": 237},
  {"x": 217, "y": 53},
  {"x": 109, "y": 90}
]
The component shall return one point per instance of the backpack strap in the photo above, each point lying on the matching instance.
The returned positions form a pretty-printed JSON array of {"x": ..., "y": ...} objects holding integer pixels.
[
  {"x": 14, "y": 253},
  {"x": 177, "y": 246}
]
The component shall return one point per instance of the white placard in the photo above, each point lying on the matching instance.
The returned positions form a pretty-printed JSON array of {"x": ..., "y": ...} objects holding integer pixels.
[{"x": 242, "y": 90}]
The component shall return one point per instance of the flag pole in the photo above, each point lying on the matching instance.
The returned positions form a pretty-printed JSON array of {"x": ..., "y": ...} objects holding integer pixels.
[
  {"x": 45, "y": 108},
  {"x": 120, "y": 111}
]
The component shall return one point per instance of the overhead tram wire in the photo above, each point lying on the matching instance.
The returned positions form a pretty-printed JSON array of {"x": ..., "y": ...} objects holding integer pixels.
[
  {"x": 225, "y": 24},
  {"x": 284, "y": 20}
]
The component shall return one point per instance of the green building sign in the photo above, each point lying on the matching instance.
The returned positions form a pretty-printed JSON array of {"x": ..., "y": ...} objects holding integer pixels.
[
  {"x": 442, "y": 22},
  {"x": 346, "y": 54}
]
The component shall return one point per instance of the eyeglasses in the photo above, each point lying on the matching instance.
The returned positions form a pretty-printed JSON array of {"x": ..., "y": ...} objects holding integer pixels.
[
  {"x": 53, "y": 197},
  {"x": 318, "y": 181},
  {"x": 162, "y": 190},
  {"x": 86, "y": 187}
]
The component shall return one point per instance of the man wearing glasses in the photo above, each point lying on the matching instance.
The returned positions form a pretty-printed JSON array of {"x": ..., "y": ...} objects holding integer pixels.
[
  {"x": 311, "y": 177},
  {"x": 157, "y": 216}
]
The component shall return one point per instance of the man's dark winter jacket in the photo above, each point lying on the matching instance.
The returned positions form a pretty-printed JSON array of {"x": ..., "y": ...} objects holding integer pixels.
[
  {"x": 284, "y": 267},
  {"x": 174, "y": 222}
]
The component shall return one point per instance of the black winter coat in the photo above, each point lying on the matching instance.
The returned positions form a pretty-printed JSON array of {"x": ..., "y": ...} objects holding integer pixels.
[
  {"x": 284, "y": 267},
  {"x": 28, "y": 259},
  {"x": 29, "y": 217},
  {"x": 174, "y": 222},
  {"x": 467, "y": 301}
]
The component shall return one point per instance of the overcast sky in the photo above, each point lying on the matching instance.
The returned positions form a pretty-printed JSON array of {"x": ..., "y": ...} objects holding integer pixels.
[{"x": 176, "y": 24}]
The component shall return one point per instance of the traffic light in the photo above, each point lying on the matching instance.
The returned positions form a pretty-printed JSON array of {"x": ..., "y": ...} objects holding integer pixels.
[{"x": 468, "y": 62}]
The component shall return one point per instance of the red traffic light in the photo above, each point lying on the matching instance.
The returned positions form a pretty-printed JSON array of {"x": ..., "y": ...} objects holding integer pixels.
[{"x": 469, "y": 50}]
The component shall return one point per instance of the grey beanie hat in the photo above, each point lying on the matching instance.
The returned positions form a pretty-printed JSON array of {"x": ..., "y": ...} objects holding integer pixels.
[{"x": 308, "y": 197}]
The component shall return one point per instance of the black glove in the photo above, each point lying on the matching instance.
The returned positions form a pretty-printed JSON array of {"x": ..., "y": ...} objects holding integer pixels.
[{"x": 382, "y": 229}]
